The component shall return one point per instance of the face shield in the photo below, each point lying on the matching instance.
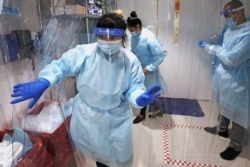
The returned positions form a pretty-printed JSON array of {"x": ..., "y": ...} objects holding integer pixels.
[
  {"x": 109, "y": 40},
  {"x": 229, "y": 16},
  {"x": 227, "y": 13}
]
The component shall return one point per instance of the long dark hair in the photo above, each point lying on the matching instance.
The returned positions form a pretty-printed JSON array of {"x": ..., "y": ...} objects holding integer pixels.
[{"x": 111, "y": 20}]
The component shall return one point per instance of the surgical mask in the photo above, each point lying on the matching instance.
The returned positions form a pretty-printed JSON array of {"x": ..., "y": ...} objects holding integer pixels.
[
  {"x": 134, "y": 34},
  {"x": 109, "y": 47},
  {"x": 230, "y": 22}
]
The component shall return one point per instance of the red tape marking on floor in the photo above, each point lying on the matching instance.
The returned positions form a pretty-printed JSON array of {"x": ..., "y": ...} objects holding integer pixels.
[{"x": 167, "y": 157}]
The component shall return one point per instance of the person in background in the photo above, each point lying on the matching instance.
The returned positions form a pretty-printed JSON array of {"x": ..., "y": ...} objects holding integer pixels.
[
  {"x": 119, "y": 12},
  {"x": 148, "y": 49},
  {"x": 109, "y": 80},
  {"x": 231, "y": 80}
]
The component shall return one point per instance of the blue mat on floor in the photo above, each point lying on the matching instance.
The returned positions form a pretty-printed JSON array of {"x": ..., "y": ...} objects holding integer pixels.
[{"x": 179, "y": 106}]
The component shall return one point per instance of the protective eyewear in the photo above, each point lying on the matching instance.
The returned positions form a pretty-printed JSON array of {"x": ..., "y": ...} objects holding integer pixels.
[{"x": 230, "y": 11}]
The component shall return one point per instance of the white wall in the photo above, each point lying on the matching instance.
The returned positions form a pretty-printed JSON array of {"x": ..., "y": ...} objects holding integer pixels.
[{"x": 187, "y": 67}]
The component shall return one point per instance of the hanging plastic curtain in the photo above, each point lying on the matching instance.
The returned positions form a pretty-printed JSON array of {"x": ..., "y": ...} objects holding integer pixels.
[
  {"x": 32, "y": 35},
  {"x": 144, "y": 41},
  {"x": 190, "y": 136},
  {"x": 32, "y": 137},
  {"x": 198, "y": 104},
  {"x": 200, "y": 86}
]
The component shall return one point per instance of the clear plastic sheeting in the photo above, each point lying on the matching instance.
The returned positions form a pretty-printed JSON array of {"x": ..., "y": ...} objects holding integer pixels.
[
  {"x": 178, "y": 137},
  {"x": 9, "y": 8},
  {"x": 34, "y": 33}
]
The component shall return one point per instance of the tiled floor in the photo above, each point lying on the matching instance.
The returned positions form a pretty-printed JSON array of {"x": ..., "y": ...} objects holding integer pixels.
[{"x": 180, "y": 141}]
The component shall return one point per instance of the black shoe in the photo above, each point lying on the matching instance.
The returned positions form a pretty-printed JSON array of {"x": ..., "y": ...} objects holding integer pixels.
[
  {"x": 138, "y": 119},
  {"x": 229, "y": 154},
  {"x": 155, "y": 114},
  {"x": 98, "y": 164},
  {"x": 215, "y": 131}
]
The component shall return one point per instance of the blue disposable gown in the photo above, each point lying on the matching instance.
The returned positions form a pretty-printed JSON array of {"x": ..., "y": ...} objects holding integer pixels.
[
  {"x": 101, "y": 123},
  {"x": 231, "y": 81},
  {"x": 148, "y": 49},
  {"x": 215, "y": 59}
]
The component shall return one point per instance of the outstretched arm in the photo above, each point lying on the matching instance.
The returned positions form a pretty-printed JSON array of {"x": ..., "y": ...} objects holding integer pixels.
[{"x": 30, "y": 90}]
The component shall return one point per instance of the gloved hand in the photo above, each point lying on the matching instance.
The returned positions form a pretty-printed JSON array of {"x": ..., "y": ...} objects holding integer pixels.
[
  {"x": 148, "y": 96},
  {"x": 202, "y": 43},
  {"x": 29, "y": 90}
]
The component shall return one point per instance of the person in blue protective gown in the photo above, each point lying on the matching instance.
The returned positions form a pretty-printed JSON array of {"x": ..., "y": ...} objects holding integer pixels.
[
  {"x": 109, "y": 80},
  {"x": 231, "y": 78},
  {"x": 148, "y": 49}
]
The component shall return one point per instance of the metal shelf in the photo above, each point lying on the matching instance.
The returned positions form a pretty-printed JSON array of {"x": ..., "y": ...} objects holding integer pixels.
[{"x": 46, "y": 15}]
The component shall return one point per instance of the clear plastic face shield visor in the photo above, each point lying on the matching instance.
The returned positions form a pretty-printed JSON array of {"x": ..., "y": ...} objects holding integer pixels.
[
  {"x": 226, "y": 13},
  {"x": 109, "y": 32}
]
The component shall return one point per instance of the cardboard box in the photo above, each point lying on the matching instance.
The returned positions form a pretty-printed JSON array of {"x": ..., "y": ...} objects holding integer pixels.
[
  {"x": 75, "y": 9},
  {"x": 75, "y": 2},
  {"x": 69, "y": 10}
]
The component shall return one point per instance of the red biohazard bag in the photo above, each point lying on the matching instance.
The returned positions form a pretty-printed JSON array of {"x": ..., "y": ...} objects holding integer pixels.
[{"x": 49, "y": 149}]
